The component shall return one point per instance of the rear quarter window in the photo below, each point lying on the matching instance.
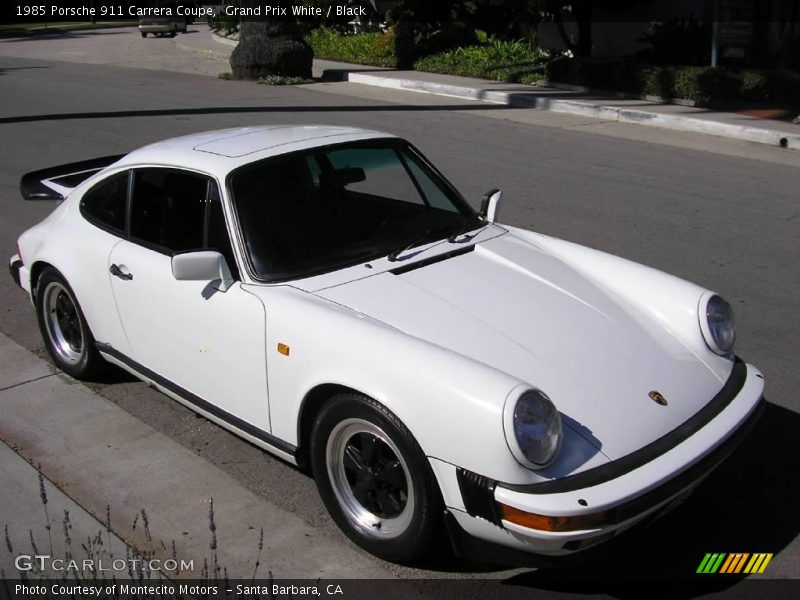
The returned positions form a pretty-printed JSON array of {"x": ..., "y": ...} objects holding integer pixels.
[{"x": 105, "y": 204}]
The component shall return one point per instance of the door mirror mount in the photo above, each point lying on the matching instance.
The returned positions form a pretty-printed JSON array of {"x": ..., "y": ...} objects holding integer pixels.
[{"x": 490, "y": 205}]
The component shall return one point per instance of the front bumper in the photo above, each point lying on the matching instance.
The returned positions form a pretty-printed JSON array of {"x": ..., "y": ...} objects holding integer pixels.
[{"x": 608, "y": 501}]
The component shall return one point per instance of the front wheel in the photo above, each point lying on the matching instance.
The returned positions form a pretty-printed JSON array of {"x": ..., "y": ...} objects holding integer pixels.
[
  {"x": 374, "y": 478},
  {"x": 64, "y": 329},
  {"x": 144, "y": 34}
]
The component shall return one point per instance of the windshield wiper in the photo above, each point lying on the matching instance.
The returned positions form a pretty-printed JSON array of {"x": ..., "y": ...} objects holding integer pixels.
[
  {"x": 393, "y": 256},
  {"x": 470, "y": 224}
]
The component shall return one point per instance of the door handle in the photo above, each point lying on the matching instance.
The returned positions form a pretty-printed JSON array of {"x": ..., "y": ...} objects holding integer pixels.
[{"x": 117, "y": 272}]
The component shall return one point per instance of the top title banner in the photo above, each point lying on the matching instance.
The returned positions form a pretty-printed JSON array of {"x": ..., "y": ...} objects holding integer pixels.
[
  {"x": 110, "y": 11},
  {"x": 468, "y": 11}
]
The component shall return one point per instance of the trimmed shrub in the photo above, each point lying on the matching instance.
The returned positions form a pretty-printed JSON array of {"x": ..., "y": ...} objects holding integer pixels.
[
  {"x": 501, "y": 61},
  {"x": 704, "y": 85},
  {"x": 513, "y": 62},
  {"x": 364, "y": 49}
]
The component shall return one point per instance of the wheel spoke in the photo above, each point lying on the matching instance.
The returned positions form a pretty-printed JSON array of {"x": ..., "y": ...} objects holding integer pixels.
[
  {"x": 71, "y": 330},
  {"x": 361, "y": 491},
  {"x": 61, "y": 305},
  {"x": 71, "y": 313},
  {"x": 368, "y": 443},
  {"x": 65, "y": 326},
  {"x": 353, "y": 461},
  {"x": 389, "y": 504},
  {"x": 392, "y": 475}
]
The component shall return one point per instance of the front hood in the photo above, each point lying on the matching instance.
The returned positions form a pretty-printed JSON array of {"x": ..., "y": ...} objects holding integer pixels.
[{"x": 520, "y": 309}]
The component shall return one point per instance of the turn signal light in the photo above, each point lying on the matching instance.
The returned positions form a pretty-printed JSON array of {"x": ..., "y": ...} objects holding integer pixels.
[
  {"x": 549, "y": 523},
  {"x": 283, "y": 349}
]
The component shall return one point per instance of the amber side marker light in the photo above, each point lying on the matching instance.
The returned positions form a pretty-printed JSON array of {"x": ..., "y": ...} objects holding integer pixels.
[
  {"x": 548, "y": 523},
  {"x": 283, "y": 349}
]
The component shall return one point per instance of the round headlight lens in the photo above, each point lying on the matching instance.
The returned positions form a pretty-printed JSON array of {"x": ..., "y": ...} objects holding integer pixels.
[
  {"x": 719, "y": 314},
  {"x": 537, "y": 427}
]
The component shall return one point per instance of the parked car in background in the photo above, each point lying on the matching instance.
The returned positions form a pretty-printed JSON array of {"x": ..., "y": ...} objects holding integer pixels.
[{"x": 162, "y": 25}]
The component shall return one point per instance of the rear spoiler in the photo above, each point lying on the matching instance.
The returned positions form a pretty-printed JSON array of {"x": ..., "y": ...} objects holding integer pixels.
[{"x": 54, "y": 183}]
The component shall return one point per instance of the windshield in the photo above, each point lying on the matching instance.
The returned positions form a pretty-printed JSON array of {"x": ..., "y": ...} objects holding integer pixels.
[{"x": 326, "y": 208}]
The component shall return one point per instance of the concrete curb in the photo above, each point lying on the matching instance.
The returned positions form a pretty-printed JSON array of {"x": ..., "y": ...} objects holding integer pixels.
[
  {"x": 222, "y": 55},
  {"x": 523, "y": 99},
  {"x": 223, "y": 40}
]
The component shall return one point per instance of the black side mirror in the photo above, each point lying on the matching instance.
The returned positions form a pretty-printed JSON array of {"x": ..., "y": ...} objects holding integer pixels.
[{"x": 489, "y": 205}]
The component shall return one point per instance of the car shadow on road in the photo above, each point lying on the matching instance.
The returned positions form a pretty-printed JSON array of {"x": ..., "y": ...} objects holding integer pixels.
[
  {"x": 748, "y": 504},
  {"x": 4, "y": 69},
  {"x": 162, "y": 112},
  {"x": 22, "y": 35}
]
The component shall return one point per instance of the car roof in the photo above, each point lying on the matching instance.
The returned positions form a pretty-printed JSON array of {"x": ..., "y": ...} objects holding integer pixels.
[{"x": 219, "y": 152}]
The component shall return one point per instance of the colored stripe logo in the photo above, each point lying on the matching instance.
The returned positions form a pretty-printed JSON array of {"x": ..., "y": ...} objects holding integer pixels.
[{"x": 736, "y": 562}]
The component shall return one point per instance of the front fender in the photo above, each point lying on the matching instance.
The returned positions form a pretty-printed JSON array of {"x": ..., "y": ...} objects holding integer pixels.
[
  {"x": 452, "y": 404},
  {"x": 662, "y": 299}
]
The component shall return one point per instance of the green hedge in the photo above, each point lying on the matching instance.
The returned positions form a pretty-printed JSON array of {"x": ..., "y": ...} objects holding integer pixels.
[
  {"x": 705, "y": 85},
  {"x": 364, "y": 49},
  {"x": 514, "y": 62},
  {"x": 502, "y": 61}
]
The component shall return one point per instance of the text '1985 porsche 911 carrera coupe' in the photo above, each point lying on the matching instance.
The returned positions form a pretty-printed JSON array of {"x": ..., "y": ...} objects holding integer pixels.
[{"x": 325, "y": 293}]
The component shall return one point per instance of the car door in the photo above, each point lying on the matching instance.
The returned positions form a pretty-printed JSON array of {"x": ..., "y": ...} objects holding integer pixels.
[{"x": 204, "y": 344}]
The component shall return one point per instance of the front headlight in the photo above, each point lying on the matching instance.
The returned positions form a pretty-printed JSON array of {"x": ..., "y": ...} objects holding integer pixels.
[
  {"x": 716, "y": 322},
  {"x": 533, "y": 429}
]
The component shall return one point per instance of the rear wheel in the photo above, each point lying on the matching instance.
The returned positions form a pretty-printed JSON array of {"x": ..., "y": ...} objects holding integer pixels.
[
  {"x": 64, "y": 329},
  {"x": 374, "y": 478}
]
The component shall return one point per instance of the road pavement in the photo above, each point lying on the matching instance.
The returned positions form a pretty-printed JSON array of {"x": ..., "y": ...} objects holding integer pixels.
[{"x": 721, "y": 213}]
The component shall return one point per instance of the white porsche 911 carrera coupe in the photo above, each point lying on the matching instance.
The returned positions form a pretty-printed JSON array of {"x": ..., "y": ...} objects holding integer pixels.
[{"x": 326, "y": 294}]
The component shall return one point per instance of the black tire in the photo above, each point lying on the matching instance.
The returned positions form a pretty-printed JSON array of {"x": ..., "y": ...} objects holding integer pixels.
[
  {"x": 173, "y": 33},
  {"x": 64, "y": 329},
  {"x": 144, "y": 34},
  {"x": 384, "y": 496}
]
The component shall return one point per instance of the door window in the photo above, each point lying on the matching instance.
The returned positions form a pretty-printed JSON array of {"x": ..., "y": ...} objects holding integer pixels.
[
  {"x": 168, "y": 209},
  {"x": 176, "y": 211}
]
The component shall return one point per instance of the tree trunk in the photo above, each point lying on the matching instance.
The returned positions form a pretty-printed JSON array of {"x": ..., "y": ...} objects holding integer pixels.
[
  {"x": 270, "y": 47},
  {"x": 582, "y": 13}
]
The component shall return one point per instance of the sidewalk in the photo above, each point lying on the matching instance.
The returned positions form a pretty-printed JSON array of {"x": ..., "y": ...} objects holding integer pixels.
[
  {"x": 100, "y": 456},
  {"x": 607, "y": 108},
  {"x": 23, "y": 513}
]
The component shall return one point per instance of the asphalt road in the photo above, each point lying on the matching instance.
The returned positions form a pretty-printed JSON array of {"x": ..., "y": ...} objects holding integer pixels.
[{"x": 716, "y": 212}]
